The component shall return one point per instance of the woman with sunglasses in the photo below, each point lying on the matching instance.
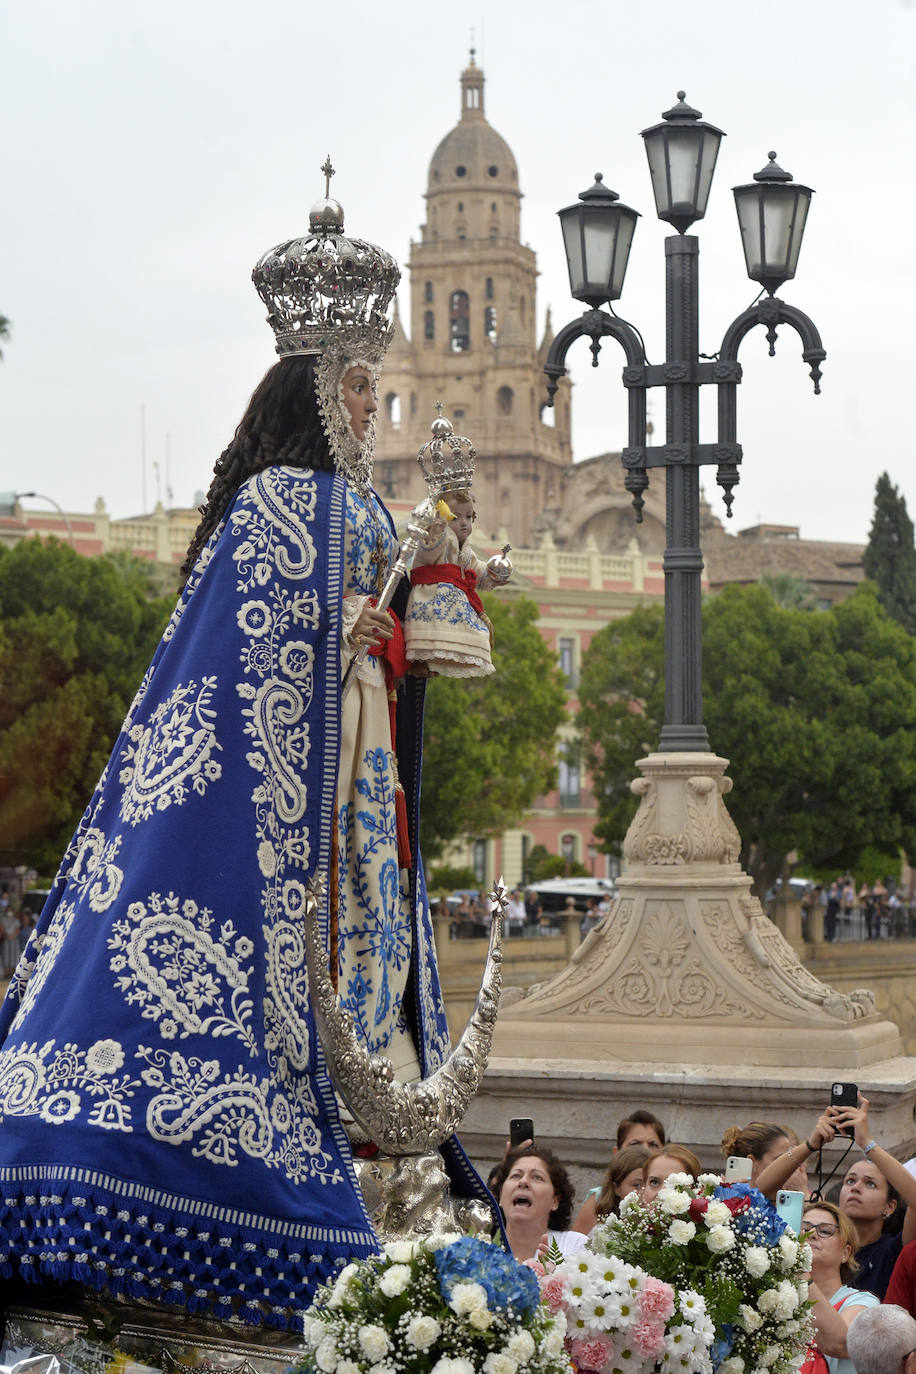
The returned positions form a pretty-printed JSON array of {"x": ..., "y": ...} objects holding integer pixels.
[{"x": 833, "y": 1240}]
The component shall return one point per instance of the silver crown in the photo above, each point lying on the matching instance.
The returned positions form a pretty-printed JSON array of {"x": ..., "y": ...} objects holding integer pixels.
[
  {"x": 328, "y": 288},
  {"x": 447, "y": 460}
]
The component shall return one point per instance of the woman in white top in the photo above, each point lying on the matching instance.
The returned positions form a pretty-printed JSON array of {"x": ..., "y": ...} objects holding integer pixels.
[{"x": 535, "y": 1196}]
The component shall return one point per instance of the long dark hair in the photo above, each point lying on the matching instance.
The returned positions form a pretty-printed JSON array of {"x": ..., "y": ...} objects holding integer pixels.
[{"x": 281, "y": 424}]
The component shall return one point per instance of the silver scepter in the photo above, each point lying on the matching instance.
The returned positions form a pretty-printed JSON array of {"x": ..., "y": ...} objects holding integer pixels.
[{"x": 421, "y": 517}]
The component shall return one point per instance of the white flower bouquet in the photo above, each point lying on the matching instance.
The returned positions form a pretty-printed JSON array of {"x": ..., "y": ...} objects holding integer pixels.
[
  {"x": 735, "y": 1270},
  {"x": 454, "y": 1305}
]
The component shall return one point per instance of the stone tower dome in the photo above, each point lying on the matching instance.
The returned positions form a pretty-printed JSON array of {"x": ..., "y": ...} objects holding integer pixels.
[
  {"x": 472, "y": 342},
  {"x": 472, "y": 189}
]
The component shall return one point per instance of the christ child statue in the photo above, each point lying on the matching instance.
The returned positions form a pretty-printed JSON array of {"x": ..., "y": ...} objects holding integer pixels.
[{"x": 446, "y": 629}]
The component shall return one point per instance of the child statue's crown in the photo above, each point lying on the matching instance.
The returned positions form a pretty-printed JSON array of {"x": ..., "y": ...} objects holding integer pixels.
[{"x": 447, "y": 460}]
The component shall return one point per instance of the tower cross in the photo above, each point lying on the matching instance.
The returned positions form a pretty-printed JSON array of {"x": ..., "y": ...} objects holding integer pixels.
[{"x": 328, "y": 173}]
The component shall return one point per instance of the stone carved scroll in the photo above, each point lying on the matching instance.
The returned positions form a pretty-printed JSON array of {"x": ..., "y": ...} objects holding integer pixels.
[
  {"x": 662, "y": 975},
  {"x": 773, "y": 951}
]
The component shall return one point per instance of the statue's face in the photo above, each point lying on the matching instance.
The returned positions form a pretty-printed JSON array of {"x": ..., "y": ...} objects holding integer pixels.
[
  {"x": 465, "y": 515},
  {"x": 359, "y": 400}
]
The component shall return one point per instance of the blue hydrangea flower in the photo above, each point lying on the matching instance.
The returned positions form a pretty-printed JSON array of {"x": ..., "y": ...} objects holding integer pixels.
[
  {"x": 723, "y": 1344},
  {"x": 506, "y": 1282},
  {"x": 760, "y": 1219}
]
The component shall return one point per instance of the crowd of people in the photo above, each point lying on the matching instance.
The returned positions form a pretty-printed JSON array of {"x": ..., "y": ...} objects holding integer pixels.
[
  {"x": 16, "y": 924},
  {"x": 859, "y": 1216},
  {"x": 869, "y": 911},
  {"x": 468, "y": 914}
]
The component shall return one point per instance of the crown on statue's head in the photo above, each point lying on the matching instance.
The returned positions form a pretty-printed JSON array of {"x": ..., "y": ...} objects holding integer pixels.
[
  {"x": 447, "y": 460},
  {"x": 327, "y": 288}
]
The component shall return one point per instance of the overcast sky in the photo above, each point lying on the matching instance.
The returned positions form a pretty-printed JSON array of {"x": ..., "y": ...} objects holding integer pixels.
[{"x": 153, "y": 153}]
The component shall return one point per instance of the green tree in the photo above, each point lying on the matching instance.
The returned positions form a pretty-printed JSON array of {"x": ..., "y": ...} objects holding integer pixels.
[
  {"x": 890, "y": 556},
  {"x": 621, "y": 709},
  {"x": 451, "y": 877},
  {"x": 141, "y": 575},
  {"x": 75, "y": 639},
  {"x": 490, "y": 743},
  {"x": 788, "y": 590},
  {"x": 816, "y": 711},
  {"x": 542, "y": 865}
]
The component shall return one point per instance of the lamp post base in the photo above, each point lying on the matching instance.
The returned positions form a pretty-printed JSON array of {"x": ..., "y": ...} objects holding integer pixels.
[{"x": 687, "y": 969}]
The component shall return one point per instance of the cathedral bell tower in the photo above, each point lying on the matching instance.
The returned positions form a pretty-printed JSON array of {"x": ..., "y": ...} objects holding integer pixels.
[{"x": 472, "y": 336}]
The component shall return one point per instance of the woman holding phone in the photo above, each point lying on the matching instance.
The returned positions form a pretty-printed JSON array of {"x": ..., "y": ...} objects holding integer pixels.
[
  {"x": 873, "y": 1189},
  {"x": 761, "y": 1142}
]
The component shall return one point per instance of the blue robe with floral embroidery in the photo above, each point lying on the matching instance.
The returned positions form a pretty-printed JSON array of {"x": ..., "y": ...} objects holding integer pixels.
[{"x": 168, "y": 1129}]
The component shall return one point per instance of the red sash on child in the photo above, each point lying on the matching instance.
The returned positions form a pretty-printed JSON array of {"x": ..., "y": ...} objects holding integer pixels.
[{"x": 450, "y": 572}]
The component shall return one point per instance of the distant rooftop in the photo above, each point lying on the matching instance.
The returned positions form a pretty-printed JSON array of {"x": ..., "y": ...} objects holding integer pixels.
[{"x": 770, "y": 532}]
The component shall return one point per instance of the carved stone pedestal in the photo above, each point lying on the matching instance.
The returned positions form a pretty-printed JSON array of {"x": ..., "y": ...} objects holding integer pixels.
[
  {"x": 687, "y": 968},
  {"x": 684, "y": 989}
]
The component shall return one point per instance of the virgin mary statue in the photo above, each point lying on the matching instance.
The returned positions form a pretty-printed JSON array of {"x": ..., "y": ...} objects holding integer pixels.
[{"x": 168, "y": 1128}]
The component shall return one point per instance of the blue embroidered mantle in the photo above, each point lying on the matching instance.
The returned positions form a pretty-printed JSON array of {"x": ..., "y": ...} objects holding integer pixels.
[{"x": 167, "y": 1126}]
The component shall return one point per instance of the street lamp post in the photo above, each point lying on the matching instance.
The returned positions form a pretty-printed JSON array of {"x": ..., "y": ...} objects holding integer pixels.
[
  {"x": 686, "y": 972},
  {"x": 10, "y": 499},
  {"x": 597, "y": 234}
]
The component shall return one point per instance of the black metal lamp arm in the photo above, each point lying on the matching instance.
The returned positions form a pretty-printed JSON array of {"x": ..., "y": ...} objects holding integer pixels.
[
  {"x": 727, "y": 373},
  {"x": 596, "y": 325}
]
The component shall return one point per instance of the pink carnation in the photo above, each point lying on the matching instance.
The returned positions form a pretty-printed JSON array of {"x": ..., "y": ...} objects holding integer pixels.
[
  {"x": 647, "y": 1337},
  {"x": 592, "y": 1354},
  {"x": 553, "y": 1293},
  {"x": 536, "y": 1265},
  {"x": 656, "y": 1299}
]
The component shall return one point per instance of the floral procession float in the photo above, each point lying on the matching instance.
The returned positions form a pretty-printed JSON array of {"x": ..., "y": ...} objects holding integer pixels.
[{"x": 239, "y": 1154}]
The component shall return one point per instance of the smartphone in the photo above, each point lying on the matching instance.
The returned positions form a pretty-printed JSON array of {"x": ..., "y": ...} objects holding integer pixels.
[
  {"x": 520, "y": 1128},
  {"x": 844, "y": 1095},
  {"x": 789, "y": 1206},
  {"x": 738, "y": 1169}
]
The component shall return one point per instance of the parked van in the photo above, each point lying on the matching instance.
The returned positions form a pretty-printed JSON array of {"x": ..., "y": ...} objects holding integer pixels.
[{"x": 554, "y": 892}]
